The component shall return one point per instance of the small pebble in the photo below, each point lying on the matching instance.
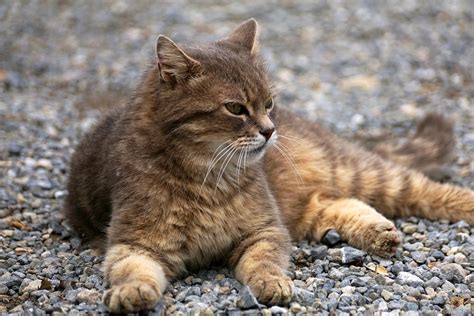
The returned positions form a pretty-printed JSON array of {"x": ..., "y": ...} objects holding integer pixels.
[
  {"x": 341, "y": 64},
  {"x": 331, "y": 238},
  {"x": 386, "y": 295},
  {"x": 419, "y": 257}
]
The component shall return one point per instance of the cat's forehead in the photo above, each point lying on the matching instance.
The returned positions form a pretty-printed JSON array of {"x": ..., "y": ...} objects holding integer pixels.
[{"x": 239, "y": 71}]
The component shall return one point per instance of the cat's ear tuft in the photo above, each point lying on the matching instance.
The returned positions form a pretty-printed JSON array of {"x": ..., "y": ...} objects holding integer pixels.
[
  {"x": 173, "y": 63},
  {"x": 245, "y": 35}
]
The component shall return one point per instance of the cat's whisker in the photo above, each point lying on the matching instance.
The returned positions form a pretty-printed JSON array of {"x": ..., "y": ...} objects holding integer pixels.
[
  {"x": 280, "y": 126},
  {"x": 216, "y": 151},
  {"x": 290, "y": 153},
  {"x": 229, "y": 149},
  {"x": 239, "y": 161},
  {"x": 220, "y": 155},
  {"x": 295, "y": 139},
  {"x": 290, "y": 161},
  {"x": 228, "y": 158},
  {"x": 288, "y": 149},
  {"x": 217, "y": 157},
  {"x": 245, "y": 156}
]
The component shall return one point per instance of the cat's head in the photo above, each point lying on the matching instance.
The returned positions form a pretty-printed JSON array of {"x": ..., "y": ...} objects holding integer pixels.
[{"x": 216, "y": 98}]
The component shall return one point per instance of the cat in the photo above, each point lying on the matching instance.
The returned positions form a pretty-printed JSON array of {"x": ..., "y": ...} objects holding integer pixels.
[{"x": 201, "y": 166}]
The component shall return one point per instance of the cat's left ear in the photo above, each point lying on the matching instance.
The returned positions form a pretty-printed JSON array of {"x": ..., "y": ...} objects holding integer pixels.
[
  {"x": 174, "y": 64},
  {"x": 245, "y": 36}
]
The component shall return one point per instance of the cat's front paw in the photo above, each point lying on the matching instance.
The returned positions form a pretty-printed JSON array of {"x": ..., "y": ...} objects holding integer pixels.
[
  {"x": 271, "y": 289},
  {"x": 132, "y": 297}
]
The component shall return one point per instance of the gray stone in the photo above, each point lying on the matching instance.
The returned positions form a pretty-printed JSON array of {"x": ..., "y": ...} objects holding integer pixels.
[
  {"x": 319, "y": 252},
  {"x": 192, "y": 298},
  {"x": 336, "y": 274},
  {"x": 75, "y": 243},
  {"x": 396, "y": 304},
  {"x": 453, "y": 272},
  {"x": 412, "y": 247},
  {"x": 352, "y": 256},
  {"x": 44, "y": 184},
  {"x": 182, "y": 294},
  {"x": 411, "y": 306},
  {"x": 439, "y": 300},
  {"x": 246, "y": 299},
  {"x": 397, "y": 268},
  {"x": 331, "y": 238},
  {"x": 470, "y": 278},
  {"x": 306, "y": 298},
  {"x": 468, "y": 139},
  {"x": 71, "y": 296},
  {"x": 358, "y": 282},
  {"x": 3, "y": 289},
  {"x": 419, "y": 257},
  {"x": 195, "y": 290},
  {"x": 439, "y": 255},
  {"x": 15, "y": 149},
  {"x": 382, "y": 306},
  {"x": 434, "y": 282}
]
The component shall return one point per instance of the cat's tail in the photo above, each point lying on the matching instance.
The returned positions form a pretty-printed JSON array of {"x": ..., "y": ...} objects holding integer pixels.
[{"x": 428, "y": 150}]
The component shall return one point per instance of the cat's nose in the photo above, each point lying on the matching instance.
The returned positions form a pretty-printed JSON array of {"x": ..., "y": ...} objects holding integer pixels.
[{"x": 267, "y": 133}]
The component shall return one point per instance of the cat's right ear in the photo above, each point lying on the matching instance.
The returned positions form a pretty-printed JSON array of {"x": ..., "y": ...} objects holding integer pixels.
[
  {"x": 173, "y": 63},
  {"x": 245, "y": 36}
]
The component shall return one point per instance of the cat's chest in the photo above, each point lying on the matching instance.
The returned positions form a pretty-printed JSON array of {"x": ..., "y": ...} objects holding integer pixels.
[{"x": 207, "y": 232}]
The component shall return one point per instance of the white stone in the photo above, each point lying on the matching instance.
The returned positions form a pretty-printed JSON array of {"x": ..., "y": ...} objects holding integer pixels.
[
  {"x": 408, "y": 278},
  {"x": 32, "y": 286}
]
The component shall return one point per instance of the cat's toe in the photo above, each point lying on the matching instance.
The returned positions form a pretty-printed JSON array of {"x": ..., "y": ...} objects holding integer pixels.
[
  {"x": 132, "y": 297},
  {"x": 272, "y": 289},
  {"x": 385, "y": 241}
]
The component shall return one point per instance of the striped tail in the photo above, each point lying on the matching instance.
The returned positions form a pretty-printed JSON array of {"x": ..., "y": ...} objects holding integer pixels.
[{"x": 428, "y": 150}]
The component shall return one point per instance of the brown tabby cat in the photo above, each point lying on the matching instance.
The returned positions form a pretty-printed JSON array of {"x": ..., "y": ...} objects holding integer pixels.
[{"x": 192, "y": 171}]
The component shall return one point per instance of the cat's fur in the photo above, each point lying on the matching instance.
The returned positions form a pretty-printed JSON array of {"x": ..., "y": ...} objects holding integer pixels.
[{"x": 142, "y": 188}]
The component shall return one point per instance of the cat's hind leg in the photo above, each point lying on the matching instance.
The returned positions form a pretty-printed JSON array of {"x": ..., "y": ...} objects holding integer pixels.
[
  {"x": 358, "y": 223},
  {"x": 399, "y": 192}
]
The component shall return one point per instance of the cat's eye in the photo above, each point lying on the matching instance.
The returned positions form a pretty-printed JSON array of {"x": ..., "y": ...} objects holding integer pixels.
[
  {"x": 236, "y": 108},
  {"x": 269, "y": 105}
]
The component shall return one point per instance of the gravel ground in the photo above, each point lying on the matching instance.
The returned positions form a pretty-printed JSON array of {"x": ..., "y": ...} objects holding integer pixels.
[{"x": 365, "y": 69}]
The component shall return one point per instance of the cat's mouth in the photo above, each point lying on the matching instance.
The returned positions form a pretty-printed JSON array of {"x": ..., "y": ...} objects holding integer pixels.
[{"x": 261, "y": 147}]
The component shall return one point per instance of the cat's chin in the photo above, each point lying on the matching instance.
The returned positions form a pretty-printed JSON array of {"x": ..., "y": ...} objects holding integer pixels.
[
  {"x": 257, "y": 150},
  {"x": 256, "y": 154}
]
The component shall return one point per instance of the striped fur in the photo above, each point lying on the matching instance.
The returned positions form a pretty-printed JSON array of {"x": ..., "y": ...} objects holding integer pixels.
[
  {"x": 163, "y": 185},
  {"x": 340, "y": 178}
]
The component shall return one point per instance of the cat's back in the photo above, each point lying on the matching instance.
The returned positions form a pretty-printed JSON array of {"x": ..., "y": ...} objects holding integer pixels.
[{"x": 88, "y": 206}]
